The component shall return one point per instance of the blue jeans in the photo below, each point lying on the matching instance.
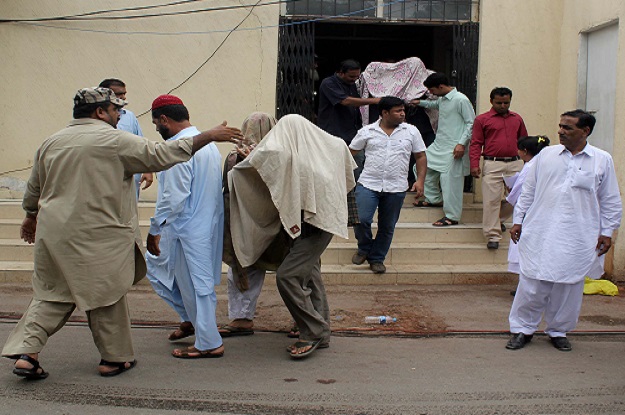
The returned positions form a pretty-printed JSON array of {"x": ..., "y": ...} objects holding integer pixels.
[
  {"x": 389, "y": 207},
  {"x": 359, "y": 158}
]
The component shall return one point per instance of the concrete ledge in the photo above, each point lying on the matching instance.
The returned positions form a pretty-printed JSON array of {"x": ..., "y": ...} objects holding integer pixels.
[{"x": 21, "y": 272}]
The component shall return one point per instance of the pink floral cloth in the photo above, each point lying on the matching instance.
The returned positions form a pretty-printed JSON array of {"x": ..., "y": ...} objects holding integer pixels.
[{"x": 403, "y": 79}]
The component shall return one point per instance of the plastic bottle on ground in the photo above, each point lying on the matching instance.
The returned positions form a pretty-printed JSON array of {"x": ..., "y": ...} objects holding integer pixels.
[{"x": 379, "y": 319}]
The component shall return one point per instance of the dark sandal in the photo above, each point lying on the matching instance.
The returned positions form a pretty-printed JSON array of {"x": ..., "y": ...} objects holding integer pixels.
[
  {"x": 185, "y": 330},
  {"x": 313, "y": 344},
  {"x": 293, "y": 333},
  {"x": 201, "y": 354},
  {"x": 233, "y": 331},
  {"x": 423, "y": 203},
  {"x": 120, "y": 367},
  {"x": 445, "y": 221},
  {"x": 32, "y": 373}
]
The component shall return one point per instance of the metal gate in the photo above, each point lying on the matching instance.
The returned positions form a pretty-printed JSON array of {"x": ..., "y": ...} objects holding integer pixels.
[
  {"x": 464, "y": 73},
  {"x": 296, "y": 59}
]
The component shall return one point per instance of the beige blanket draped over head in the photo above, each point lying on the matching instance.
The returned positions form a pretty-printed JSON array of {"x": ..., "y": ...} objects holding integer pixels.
[
  {"x": 255, "y": 127},
  {"x": 297, "y": 171}
]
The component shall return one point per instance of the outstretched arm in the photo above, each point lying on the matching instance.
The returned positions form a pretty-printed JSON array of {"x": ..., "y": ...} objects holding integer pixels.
[
  {"x": 220, "y": 133},
  {"x": 359, "y": 102}
]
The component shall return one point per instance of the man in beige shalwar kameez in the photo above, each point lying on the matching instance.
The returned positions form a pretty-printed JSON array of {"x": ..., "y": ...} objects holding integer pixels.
[{"x": 82, "y": 216}]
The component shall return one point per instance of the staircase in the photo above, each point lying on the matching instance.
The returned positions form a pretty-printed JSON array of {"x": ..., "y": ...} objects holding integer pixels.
[{"x": 420, "y": 253}]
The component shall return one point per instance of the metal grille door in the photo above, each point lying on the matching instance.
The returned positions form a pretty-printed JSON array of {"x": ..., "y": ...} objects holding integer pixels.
[
  {"x": 295, "y": 85},
  {"x": 464, "y": 72}
]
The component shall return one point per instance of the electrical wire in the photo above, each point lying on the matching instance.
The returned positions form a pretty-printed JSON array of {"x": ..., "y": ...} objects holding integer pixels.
[
  {"x": 229, "y": 31},
  {"x": 88, "y": 16},
  {"x": 94, "y": 13},
  {"x": 211, "y": 56},
  {"x": 318, "y": 19}
]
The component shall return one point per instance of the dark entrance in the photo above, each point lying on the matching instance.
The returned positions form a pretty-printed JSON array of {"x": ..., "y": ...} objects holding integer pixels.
[{"x": 444, "y": 47}]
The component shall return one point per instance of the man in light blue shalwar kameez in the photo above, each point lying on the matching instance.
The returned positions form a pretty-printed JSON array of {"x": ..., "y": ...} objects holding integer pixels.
[
  {"x": 128, "y": 122},
  {"x": 186, "y": 233},
  {"x": 448, "y": 160}
]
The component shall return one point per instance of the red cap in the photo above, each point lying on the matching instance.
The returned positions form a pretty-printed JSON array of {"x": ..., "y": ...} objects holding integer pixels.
[{"x": 165, "y": 100}]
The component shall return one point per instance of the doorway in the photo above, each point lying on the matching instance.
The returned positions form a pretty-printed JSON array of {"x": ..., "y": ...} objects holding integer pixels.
[
  {"x": 311, "y": 51},
  {"x": 597, "y": 82}
]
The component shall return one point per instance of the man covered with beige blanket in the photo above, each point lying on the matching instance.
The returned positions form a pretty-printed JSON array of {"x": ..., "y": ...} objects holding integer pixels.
[{"x": 295, "y": 182}]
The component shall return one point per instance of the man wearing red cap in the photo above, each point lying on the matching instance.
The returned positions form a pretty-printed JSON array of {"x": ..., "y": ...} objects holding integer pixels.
[
  {"x": 186, "y": 233},
  {"x": 86, "y": 231}
]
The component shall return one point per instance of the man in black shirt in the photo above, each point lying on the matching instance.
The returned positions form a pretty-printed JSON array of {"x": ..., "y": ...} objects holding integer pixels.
[{"x": 338, "y": 106}]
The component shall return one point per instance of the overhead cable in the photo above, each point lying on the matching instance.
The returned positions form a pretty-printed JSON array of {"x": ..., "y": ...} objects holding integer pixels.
[{"x": 90, "y": 16}]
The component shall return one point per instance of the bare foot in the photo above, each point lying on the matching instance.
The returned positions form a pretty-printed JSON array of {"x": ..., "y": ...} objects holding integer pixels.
[{"x": 242, "y": 323}]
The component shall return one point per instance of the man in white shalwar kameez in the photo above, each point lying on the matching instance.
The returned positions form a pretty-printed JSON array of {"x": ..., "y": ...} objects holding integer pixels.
[
  {"x": 189, "y": 214},
  {"x": 568, "y": 209}
]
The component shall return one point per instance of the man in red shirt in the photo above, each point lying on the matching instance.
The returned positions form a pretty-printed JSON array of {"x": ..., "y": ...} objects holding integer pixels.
[{"x": 495, "y": 136}]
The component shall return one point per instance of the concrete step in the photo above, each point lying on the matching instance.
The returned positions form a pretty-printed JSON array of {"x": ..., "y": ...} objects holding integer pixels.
[
  {"x": 467, "y": 198},
  {"x": 21, "y": 272},
  {"x": 425, "y": 232},
  {"x": 404, "y": 232},
  {"x": 418, "y": 254},
  {"x": 401, "y": 253},
  {"x": 471, "y": 213}
]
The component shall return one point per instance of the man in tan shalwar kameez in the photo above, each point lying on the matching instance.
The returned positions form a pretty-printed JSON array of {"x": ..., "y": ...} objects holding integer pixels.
[{"x": 82, "y": 216}]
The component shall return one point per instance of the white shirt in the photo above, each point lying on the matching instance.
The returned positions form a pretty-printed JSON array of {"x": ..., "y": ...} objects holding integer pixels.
[
  {"x": 567, "y": 202},
  {"x": 515, "y": 192},
  {"x": 387, "y": 156}
]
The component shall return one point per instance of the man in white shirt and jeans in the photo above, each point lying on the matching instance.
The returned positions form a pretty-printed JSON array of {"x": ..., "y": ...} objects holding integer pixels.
[
  {"x": 563, "y": 222},
  {"x": 382, "y": 185}
]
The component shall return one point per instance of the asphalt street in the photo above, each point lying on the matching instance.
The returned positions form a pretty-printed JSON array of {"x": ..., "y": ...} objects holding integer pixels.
[{"x": 356, "y": 375}]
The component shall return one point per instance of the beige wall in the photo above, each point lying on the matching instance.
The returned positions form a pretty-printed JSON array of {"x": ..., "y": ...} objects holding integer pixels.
[
  {"x": 532, "y": 47},
  {"x": 520, "y": 49},
  {"x": 42, "y": 68}
]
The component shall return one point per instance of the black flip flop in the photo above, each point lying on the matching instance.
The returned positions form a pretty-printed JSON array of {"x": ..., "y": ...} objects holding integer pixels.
[
  {"x": 445, "y": 221},
  {"x": 423, "y": 203},
  {"x": 293, "y": 333}
]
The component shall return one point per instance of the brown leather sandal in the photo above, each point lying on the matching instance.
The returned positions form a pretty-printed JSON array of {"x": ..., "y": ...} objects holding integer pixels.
[{"x": 185, "y": 330}]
